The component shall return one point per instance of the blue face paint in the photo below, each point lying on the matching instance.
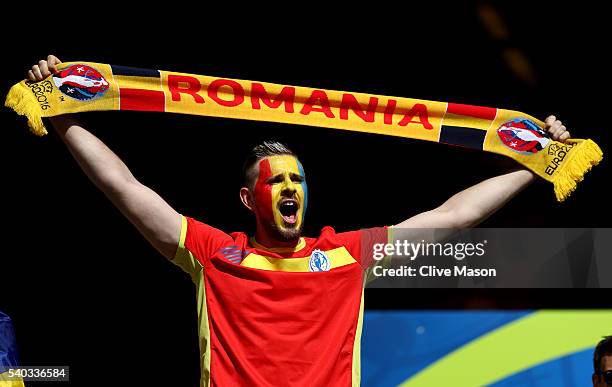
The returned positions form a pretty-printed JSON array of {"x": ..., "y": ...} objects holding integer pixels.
[{"x": 304, "y": 188}]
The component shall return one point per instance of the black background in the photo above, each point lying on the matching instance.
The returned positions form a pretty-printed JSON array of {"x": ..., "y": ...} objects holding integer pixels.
[{"x": 85, "y": 290}]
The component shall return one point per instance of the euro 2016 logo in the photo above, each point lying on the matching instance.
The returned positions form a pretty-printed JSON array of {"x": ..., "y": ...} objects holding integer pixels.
[
  {"x": 80, "y": 82},
  {"x": 523, "y": 136}
]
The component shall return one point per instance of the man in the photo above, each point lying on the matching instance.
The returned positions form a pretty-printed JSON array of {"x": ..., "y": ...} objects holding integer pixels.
[
  {"x": 602, "y": 363},
  {"x": 276, "y": 309}
]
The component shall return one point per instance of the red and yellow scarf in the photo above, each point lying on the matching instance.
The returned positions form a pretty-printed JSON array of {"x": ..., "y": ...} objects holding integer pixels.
[{"x": 84, "y": 86}]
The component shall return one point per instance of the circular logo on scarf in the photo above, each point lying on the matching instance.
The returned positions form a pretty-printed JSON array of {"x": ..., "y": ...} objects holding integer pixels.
[
  {"x": 81, "y": 82},
  {"x": 318, "y": 261},
  {"x": 523, "y": 136}
]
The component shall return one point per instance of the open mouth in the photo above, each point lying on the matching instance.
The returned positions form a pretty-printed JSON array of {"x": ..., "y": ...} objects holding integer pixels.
[{"x": 288, "y": 209}]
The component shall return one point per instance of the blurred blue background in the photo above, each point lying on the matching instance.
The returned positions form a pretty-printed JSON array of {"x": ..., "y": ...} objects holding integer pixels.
[{"x": 398, "y": 345}]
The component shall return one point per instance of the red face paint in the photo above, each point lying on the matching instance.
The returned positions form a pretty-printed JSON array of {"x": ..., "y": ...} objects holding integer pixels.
[{"x": 263, "y": 191}]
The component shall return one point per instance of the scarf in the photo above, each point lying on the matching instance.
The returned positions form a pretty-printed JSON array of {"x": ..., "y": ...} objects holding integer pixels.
[{"x": 84, "y": 86}]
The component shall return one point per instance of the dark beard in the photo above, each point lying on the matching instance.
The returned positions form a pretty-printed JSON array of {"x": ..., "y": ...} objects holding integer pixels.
[{"x": 286, "y": 234}]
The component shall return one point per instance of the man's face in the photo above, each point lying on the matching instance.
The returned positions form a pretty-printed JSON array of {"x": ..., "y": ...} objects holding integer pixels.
[
  {"x": 606, "y": 365},
  {"x": 281, "y": 196}
]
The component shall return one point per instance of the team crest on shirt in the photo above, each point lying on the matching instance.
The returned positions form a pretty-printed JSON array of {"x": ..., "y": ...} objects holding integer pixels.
[
  {"x": 80, "y": 82},
  {"x": 319, "y": 261},
  {"x": 523, "y": 136}
]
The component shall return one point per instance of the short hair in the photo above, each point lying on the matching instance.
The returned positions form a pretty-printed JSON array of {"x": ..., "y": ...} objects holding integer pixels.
[
  {"x": 603, "y": 348},
  {"x": 259, "y": 152}
]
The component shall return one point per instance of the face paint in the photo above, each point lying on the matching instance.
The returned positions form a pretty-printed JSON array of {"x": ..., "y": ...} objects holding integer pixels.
[{"x": 281, "y": 193}]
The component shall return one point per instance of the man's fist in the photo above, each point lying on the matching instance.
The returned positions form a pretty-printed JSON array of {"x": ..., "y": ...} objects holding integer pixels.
[
  {"x": 555, "y": 129},
  {"x": 43, "y": 69}
]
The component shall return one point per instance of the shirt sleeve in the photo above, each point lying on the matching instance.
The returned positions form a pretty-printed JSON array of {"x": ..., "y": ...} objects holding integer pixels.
[
  {"x": 197, "y": 243},
  {"x": 362, "y": 244}
]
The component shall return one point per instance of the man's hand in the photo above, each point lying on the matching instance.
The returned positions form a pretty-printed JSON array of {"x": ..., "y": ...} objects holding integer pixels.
[
  {"x": 555, "y": 129},
  {"x": 43, "y": 69}
]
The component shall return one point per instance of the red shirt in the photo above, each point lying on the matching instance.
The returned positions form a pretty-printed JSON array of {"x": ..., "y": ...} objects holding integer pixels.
[{"x": 278, "y": 317}]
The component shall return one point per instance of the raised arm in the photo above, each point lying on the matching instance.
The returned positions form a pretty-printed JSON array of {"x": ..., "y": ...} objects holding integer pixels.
[
  {"x": 159, "y": 223},
  {"x": 473, "y": 205}
]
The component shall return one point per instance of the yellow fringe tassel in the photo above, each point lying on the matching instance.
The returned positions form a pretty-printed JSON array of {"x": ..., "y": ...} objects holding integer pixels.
[
  {"x": 585, "y": 155},
  {"x": 24, "y": 103}
]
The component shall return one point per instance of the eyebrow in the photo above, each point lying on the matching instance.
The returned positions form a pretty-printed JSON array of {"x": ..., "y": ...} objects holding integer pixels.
[
  {"x": 279, "y": 175},
  {"x": 274, "y": 177}
]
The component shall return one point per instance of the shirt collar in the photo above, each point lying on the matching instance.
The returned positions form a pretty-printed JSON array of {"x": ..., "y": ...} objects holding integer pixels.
[{"x": 299, "y": 246}]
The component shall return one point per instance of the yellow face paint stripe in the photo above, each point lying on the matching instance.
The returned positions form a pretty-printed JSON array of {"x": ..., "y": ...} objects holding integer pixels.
[
  {"x": 338, "y": 257},
  {"x": 522, "y": 344},
  {"x": 285, "y": 164},
  {"x": 302, "y": 195}
]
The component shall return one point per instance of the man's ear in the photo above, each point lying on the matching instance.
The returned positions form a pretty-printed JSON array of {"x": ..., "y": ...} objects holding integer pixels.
[
  {"x": 595, "y": 380},
  {"x": 246, "y": 197}
]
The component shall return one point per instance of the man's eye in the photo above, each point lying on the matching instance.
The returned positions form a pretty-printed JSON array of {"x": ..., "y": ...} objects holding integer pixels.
[{"x": 275, "y": 180}]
